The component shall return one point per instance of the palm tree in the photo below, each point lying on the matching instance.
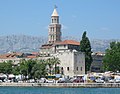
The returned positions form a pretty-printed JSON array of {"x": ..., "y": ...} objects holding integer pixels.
[
  {"x": 49, "y": 63},
  {"x": 56, "y": 61},
  {"x": 52, "y": 63}
]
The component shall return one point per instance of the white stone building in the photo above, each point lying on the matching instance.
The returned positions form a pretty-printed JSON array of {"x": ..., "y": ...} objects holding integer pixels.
[
  {"x": 72, "y": 60},
  {"x": 72, "y": 63}
]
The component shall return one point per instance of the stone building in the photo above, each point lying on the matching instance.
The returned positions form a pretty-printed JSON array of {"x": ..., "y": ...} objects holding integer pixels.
[
  {"x": 97, "y": 64},
  {"x": 72, "y": 63},
  {"x": 72, "y": 60}
]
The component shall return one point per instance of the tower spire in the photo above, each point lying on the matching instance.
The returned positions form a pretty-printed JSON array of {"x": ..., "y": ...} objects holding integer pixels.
[
  {"x": 54, "y": 28},
  {"x": 55, "y": 11}
]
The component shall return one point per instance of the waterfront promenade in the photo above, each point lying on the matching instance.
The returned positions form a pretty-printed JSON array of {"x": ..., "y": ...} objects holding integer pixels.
[{"x": 67, "y": 85}]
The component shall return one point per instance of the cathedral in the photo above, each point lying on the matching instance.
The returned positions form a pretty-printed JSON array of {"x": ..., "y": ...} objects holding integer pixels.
[{"x": 72, "y": 60}]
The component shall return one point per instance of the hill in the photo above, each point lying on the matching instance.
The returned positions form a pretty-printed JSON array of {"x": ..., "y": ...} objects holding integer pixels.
[
  {"x": 20, "y": 43},
  {"x": 24, "y": 43}
]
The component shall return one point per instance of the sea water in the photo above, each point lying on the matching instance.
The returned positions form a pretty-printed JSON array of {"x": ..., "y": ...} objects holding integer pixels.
[{"x": 38, "y": 90}]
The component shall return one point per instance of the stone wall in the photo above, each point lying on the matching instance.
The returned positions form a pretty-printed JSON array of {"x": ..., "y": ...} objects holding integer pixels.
[{"x": 71, "y": 85}]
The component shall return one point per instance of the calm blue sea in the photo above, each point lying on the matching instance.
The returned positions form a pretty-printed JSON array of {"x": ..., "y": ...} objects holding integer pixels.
[{"x": 36, "y": 90}]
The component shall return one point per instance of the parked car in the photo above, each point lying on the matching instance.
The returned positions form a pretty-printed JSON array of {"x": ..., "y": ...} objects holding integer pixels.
[
  {"x": 111, "y": 80},
  {"x": 31, "y": 81},
  {"x": 1, "y": 81},
  {"x": 50, "y": 81},
  {"x": 63, "y": 80},
  {"x": 117, "y": 80},
  {"x": 77, "y": 80},
  {"x": 99, "y": 81},
  {"x": 41, "y": 80}
]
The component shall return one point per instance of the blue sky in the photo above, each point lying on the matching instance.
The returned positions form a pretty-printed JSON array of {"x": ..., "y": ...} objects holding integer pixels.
[{"x": 100, "y": 18}]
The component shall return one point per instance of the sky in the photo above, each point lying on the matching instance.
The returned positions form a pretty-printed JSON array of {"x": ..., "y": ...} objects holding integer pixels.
[{"x": 99, "y": 18}]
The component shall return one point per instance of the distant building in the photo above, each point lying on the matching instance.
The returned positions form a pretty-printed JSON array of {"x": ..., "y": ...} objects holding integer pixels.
[
  {"x": 15, "y": 57},
  {"x": 97, "y": 64},
  {"x": 72, "y": 61}
]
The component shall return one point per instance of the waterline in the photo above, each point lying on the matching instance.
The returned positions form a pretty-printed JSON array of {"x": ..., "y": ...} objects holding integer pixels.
[{"x": 88, "y": 85}]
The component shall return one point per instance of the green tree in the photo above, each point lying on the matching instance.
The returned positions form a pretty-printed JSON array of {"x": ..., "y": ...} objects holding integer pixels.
[
  {"x": 111, "y": 61},
  {"x": 30, "y": 64},
  {"x": 49, "y": 63},
  {"x": 2, "y": 67},
  {"x": 85, "y": 47},
  {"x": 56, "y": 61},
  {"x": 26, "y": 67},
  {"x": 39, "y": 69},
  {"x": 6, "y": 67},
  {"x": 52, "y": 64},
  {"x": 16, "y": 70},
  {"x": 23, "y": 68}
]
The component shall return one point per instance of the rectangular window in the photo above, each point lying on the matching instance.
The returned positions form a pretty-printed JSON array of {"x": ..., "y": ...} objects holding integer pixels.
[
  {"x": 81, "y": 68},
  {"x": 77, "y": 68},
  {"x": 67, "y": 68},
  {"x": 62, "y": 70}
]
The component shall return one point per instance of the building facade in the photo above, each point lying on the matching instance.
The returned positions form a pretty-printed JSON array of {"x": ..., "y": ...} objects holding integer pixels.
[
  {"x": 97, "y": 64},
  {"x": 72, "y": 63},
  {"x": 72, "y": 60}
]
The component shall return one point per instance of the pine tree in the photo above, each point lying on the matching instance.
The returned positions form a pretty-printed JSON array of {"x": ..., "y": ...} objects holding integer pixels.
[{"x": 85, "y": 47}]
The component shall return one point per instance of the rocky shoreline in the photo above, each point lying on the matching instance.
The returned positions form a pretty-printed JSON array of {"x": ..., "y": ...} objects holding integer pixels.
[{"x": 67, "y": 85}]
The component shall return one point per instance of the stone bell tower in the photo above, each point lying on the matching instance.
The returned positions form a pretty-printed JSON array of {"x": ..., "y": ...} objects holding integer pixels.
[{"x": 54, "y": 34}]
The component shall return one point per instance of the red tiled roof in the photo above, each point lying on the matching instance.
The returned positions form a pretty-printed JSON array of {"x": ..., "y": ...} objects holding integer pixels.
[
  {"x": 47, "y": 46},
  {"x": 31, "y": 56},
  {"x": 35, "y": 53},
  {"x": 10, "y": 55},
  {"x": 72, "y": 42},
  {"x": 5, "y": 56}
]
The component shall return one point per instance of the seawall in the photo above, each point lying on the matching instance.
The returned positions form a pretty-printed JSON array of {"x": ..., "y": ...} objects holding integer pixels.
[{"x": 72, "y": 85}]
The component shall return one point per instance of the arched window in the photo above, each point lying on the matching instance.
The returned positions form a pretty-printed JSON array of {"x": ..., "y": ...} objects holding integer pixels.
[
  {"x": 55, "y": 21},
  {"x": 52, "y": 20},
  {"x": 67, "y": 68}
]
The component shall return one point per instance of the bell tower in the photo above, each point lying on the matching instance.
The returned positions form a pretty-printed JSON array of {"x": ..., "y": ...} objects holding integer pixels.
[{"x": 54, "y": 33}]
